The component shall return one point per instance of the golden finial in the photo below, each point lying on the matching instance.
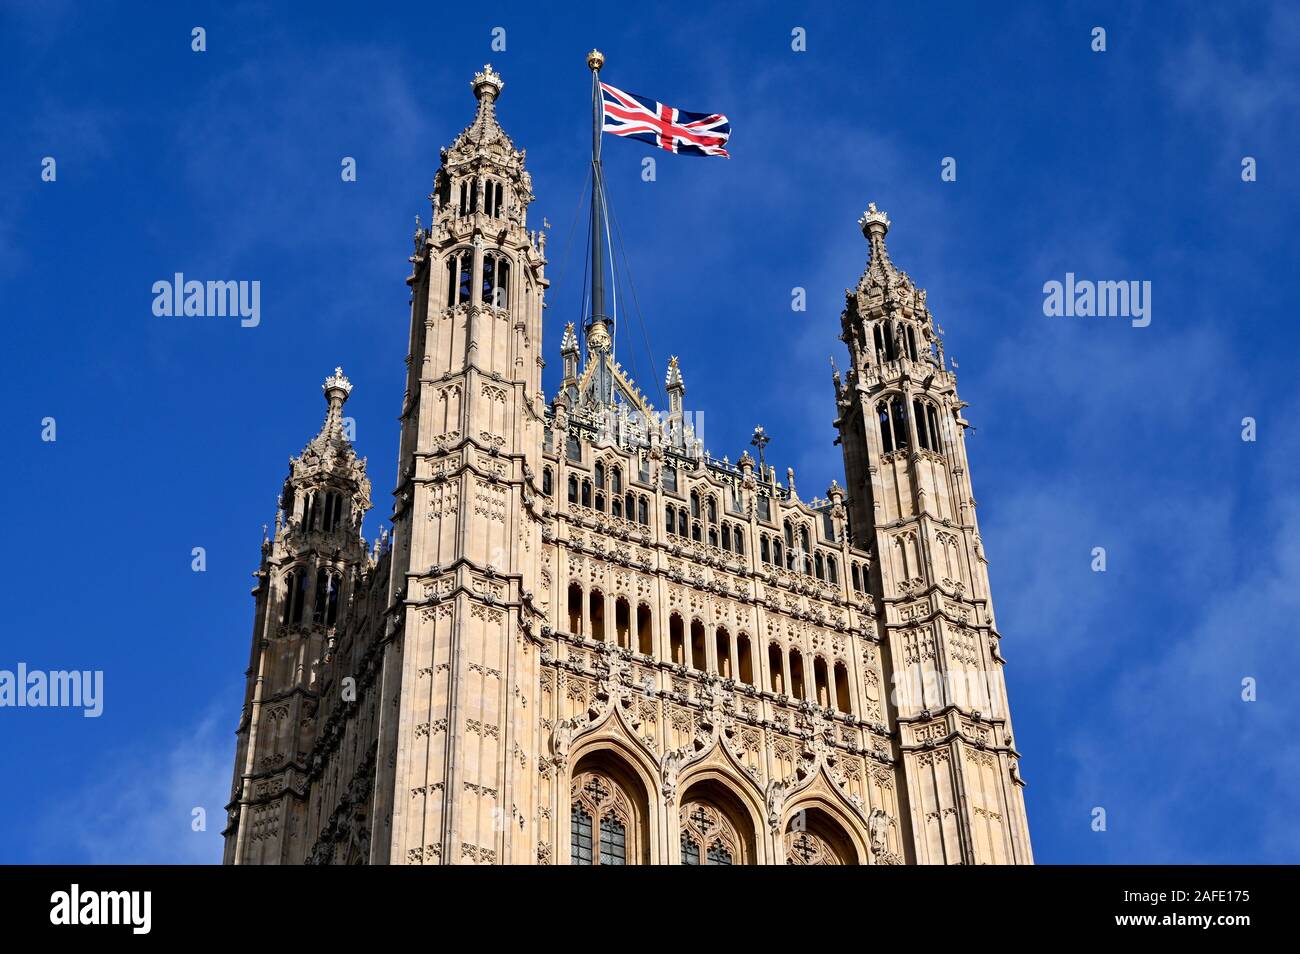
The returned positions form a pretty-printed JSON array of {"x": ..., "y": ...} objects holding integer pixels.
[{"x": 595, "y": 60}]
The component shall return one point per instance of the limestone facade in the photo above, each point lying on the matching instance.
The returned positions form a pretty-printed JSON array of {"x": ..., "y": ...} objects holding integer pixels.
[{"x": 589, "y": 641}]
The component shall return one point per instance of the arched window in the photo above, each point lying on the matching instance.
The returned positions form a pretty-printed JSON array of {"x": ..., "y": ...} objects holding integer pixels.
[
  {"x": 927, "y": 425},
  {"x": 713, "y": 829},
  {"x": 936, "y": 440},
  {"x": 496, "y": 280},
  {"x": 623, "y": 622},
  {"x": 722, "y": 648},
  {"x": 831, "y": 573},
  {"x": 596, "y": 613},
  {"x": 713, "y": 536},
  {"x": 603, "y": 821},
  {"x": 643, "y": 513},
  {"x": 681, "y": 522},
  {"x": 586, "y": 493},
  {"x": 805, "y": 546},
  {"x": 644, "y": 639},
  {"x": 616, "y": 480},
  {"x": 295, "y": 595},
  {"x": 460, "y": 266},
  {"x": 334, "y": 506},
  {"x": 821, "y": 683},
  {"x": 600, "y": 501},
  {"x": 600, "y": 474},
  {"x": 813, "y": 838},
  {"x": 857, "y": 578},
  {"x": 843, "y": 699},
  {"x": 573, "y": 448},
  {"x": 776, "y": 553},
  {"x": 911, "y": 342},
  {"x": 326, "y": 608},
  {"x": 676, "y": 640},
  {"x": 776, "y": 668},
  {"x": 918, "y": 416},
  {"x": 615, "y": 506},
  {"x": 309, "y": 512},
  {"x": 711, "y": 509},
  {"x": 575, "y": 609},
  {"x": 546, "y": 481},
  {"x": 898, "y": 415},
  {"x": 699, "y": 659},
  {"x": 819, "y": 567},
  {"x": 493, "y": 198},
  {"x": 629, "y": 506},
  {"x": 670, "y": 518},
  {"x": 763, "y": 549},
  {"x": 744, "y": 660},
  {"x": 891, "y": 349},
  {"x": 797, "y": 687},
  {"x": 726, "y": 537},
  {"x": 695, "y": 504}
]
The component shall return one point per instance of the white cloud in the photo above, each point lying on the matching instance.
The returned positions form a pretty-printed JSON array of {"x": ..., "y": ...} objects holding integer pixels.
[{"x": 137, "y": 804}]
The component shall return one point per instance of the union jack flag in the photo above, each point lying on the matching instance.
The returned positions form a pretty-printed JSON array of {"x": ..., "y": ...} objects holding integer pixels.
[{"x": 688, "y": 134}]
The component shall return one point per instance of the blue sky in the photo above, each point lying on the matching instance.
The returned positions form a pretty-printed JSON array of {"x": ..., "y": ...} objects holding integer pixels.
[{"x": 1124, "y": 165}]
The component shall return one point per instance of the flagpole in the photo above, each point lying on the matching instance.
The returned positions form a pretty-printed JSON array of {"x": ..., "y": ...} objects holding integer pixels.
[
  {"x": 595, "y": 60},
  {"x": 599, "y": 327}
]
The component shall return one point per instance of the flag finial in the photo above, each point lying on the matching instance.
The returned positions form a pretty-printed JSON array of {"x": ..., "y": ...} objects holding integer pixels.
[{"x": 595, "y": 60}]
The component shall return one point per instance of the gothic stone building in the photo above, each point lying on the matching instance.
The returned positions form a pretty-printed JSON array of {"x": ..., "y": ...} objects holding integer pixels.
[{"x": 587, "y": 641}]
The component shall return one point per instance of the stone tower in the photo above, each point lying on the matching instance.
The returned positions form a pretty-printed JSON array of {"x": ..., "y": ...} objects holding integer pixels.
[
  {"x": 910, "y": 502},
  {"x": 590, "y": 641},
  {"x": 464, "y": 538},
  {"x": 306, "y": 582}
]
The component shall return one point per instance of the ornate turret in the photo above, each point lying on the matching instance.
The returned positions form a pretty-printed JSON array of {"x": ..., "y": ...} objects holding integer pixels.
[
  {"x": 908, "y": 499},
  {"x": 307, "y": 583},
  {"x": 886, "y": 316},
  {"x": 327, "y": 490}
]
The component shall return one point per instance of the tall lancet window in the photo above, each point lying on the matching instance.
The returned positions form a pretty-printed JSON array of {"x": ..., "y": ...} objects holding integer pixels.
[
  {"x": 295, "y": 595},
  {"x": 460, "y": 265},
  {"x": 496, "y": 280},
  {"x": 494, "y": 199},
  {"x": 898, "y": 411},
  {"x": 326, "y": 608},
  {"x": 468, "y": 196},
  {"x": 601, "y": 821}
]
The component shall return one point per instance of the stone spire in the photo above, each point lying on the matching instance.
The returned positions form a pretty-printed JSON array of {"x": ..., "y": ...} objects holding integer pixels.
[
  {"x": 673, "y": 379},
  {"x": 337, "y": 389},
  {"x": 487, "y": 86},
  {"x": 569, "y": 341},
  {"x": 882, "y": 277},
  {"x": 328, "y": 462}
]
